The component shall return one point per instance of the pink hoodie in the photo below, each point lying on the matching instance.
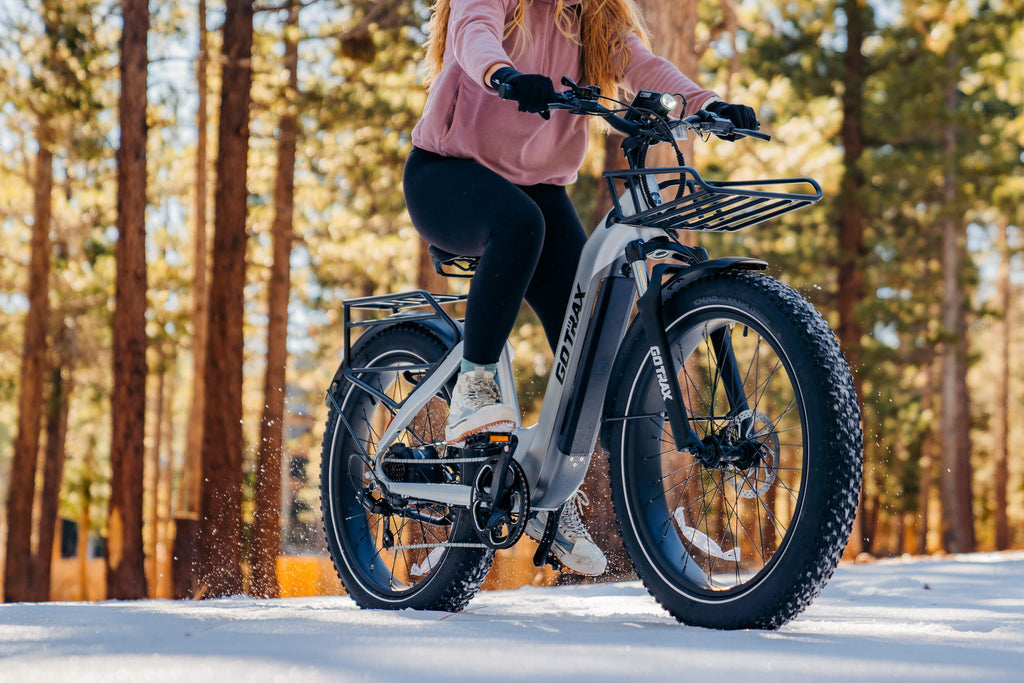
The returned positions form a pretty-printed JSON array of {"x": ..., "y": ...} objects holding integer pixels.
[{"x": 465, "y": 118}]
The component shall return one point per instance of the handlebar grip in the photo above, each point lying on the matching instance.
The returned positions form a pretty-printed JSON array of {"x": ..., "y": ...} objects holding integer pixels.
[
  {"x": 506, "y": 91},
  {"x": 700, "y": 117}
]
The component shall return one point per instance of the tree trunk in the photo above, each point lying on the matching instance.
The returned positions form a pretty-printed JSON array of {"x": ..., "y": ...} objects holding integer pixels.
[
  {"x": 928, "y": 460},
  {"x": 165, "y": 511},
  {"x": 154, "y": 475},
  {"x": 189, "y": 491},
  {"x": 267, "y": 519},
  {"x": 957, "y": 512},
  {"x": 428, "y": 278},
  {"x": 21, "y": 489},
  {"x": 1001, "y": 417},
  {"x": 673, "y": 28},
  {"x": 183, "y": 575},
  {"x": 85, "y": 521},
  {"x": 53, "y": 461},
  {"x": 850, "y": 283},
  {"x": 221, "y": 497},
  {"x": 126, "y": 576}
]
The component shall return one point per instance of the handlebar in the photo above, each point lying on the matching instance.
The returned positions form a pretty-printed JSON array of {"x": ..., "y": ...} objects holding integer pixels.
[
  {"x": 582, "y": 100},
  {"x": 707, "y": 121}
]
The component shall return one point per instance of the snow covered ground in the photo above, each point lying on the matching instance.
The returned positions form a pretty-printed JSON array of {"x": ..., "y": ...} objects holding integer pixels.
[{"x": 958, "y": 619}]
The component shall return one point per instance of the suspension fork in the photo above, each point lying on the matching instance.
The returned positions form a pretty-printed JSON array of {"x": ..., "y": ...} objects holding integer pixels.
[
  {"x": 649, "y": 306},
  {"x": 728, "y": 370}
]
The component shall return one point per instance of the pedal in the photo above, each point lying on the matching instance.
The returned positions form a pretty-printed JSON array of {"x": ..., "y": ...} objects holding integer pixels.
[
  {"x": 484, "y": 441},
  {"x": 543, "y": 555}
]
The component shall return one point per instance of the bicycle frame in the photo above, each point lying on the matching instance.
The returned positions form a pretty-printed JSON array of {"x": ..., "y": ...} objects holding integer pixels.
[{"x": 555, "y": 452}]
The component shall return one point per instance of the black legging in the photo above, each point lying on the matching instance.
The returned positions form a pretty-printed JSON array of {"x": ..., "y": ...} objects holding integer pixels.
[{"x": 528, "y": 238}]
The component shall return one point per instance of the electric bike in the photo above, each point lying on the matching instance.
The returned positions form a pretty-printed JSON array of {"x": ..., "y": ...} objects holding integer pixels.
[{"x": 721, "y": 396}]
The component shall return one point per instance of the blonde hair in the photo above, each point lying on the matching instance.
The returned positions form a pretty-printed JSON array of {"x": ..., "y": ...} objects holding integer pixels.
[{"x": 604, "y": 28}]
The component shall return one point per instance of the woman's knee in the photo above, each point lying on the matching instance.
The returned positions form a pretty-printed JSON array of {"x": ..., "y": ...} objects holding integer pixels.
[{"x": 520, "y": 227}]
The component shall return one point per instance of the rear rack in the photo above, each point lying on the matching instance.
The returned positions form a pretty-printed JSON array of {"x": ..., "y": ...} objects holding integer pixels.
[
  {"x": 720, "y": 206},
  {"x": 404, "y": 307}
]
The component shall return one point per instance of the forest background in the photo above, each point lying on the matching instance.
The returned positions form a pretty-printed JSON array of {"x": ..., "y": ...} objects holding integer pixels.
[{"x": 189, "y": 189}]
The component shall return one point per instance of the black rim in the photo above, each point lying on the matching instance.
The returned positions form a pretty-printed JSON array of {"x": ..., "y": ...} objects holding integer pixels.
[
  {"x": 364, "y": 536},
  {"x": 715, "y": 529}
]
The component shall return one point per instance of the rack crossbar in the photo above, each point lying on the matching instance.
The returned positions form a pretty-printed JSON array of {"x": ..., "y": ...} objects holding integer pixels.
[{"x": 712, "y": 206}]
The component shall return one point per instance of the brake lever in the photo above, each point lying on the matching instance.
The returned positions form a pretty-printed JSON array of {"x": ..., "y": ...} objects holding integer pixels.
[
  {"x": 720, "y": 126},
  {"x": 752, "y": 134},
  {"x": 724, "y": 127},
  {"x": 586, "y": 93}
]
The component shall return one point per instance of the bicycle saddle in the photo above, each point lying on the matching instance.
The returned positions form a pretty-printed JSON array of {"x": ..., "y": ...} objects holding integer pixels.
[{"x": 452, "y": 265}]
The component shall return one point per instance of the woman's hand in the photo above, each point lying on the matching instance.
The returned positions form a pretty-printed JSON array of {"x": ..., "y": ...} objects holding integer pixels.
[
  {"x": 533, "y": 91},
  {"x": 740, "y": 115}
]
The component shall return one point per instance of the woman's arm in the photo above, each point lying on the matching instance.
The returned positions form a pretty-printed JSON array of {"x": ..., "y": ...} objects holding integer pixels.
[
  {"x": 645, "y": 71},
  {"x": 475, "y": 30}
]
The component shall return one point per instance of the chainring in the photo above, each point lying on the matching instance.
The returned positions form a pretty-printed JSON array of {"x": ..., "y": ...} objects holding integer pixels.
[{"x": 500, "y": 526}]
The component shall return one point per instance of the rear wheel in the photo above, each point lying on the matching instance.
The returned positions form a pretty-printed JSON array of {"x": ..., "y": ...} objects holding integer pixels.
[
  {"x": 417, "y": 555},
  {"x": 746, "y": 534}
]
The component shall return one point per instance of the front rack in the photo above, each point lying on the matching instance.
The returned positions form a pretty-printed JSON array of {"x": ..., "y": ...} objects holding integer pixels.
[{"x": 720, "y": 206}]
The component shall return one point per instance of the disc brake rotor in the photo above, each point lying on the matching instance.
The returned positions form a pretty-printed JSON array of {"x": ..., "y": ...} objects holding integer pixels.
[{"x": 755, "y": 427}]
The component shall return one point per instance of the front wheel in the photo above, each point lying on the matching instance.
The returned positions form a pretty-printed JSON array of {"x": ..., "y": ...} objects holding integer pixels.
[{"x": 746, "y": 534}]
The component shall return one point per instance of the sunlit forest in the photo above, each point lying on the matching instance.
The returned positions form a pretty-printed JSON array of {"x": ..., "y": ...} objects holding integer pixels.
[{"x": 189, "y": 190}]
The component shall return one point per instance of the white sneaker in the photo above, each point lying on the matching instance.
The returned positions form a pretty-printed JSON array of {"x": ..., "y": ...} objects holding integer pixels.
[
  {"x": 573, "y": 545},
  {"x": 476, "y": 407}
]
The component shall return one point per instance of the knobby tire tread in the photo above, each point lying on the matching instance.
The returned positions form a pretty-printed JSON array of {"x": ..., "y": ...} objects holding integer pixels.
[{"x": 843, "y": 438}]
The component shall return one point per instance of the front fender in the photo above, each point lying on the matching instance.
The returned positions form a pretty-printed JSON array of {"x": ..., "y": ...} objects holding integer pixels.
[{"x": 680, "y": 276}]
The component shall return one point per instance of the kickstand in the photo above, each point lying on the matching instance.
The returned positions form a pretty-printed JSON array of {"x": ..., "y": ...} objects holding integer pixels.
[{"x": 541, "y": 557}]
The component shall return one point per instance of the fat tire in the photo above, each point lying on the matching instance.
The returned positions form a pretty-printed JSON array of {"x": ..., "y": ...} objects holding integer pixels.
[
  {"x": 833, "y": 458},
  {"x": 451, "y": 585}
]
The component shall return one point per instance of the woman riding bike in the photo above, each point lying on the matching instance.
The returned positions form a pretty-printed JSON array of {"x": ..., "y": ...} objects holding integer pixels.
[{"x": 486, "y": 180}]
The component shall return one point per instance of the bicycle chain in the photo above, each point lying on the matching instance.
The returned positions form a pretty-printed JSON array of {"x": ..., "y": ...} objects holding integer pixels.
[{"x": 424, "y": 546}]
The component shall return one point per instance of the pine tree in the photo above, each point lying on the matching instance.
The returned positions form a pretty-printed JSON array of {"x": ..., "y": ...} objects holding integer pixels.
[
  {"x": 267, "y": 517},
  {"x": 126, "y": 578},
  {"x": 17, "y": 570},
  {"x": 221, "y": 495}
]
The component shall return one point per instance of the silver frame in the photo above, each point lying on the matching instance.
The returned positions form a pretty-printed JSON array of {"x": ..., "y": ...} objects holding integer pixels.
[{"x": 553, "y": 476}]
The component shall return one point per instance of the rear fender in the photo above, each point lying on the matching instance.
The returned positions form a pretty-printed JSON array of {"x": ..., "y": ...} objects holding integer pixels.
[{"x": 431, "y": 327}]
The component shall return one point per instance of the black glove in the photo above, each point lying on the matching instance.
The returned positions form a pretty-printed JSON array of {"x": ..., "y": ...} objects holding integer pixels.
[
  {"x": 533, "y": 91},
  {"x": 740, "y": 115}
]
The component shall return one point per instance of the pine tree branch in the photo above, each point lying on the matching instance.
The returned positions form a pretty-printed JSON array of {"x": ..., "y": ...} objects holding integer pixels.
[{"x": 285, "y": 6}]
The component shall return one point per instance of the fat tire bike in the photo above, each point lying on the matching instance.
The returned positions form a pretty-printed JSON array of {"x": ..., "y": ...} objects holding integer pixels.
[{"x": 721, "y": 395}]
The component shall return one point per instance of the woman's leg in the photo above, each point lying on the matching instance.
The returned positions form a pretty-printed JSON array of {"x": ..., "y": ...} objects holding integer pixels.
[
  {"x": 551, "y": 286},
  {"x": 463, "y": 207}
]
